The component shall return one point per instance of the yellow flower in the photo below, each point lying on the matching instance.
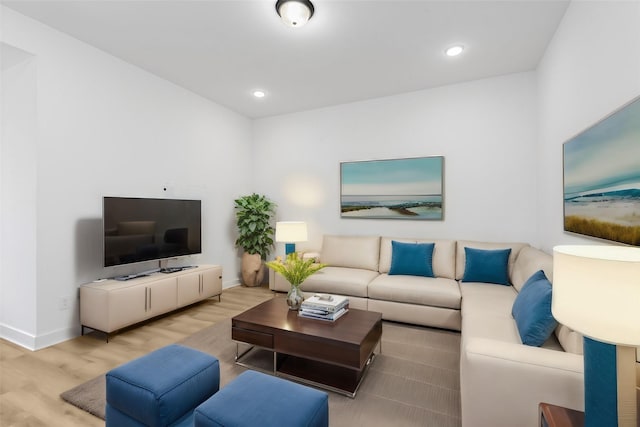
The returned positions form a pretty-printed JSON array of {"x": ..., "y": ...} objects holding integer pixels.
[{"x": 295, "y": 269}]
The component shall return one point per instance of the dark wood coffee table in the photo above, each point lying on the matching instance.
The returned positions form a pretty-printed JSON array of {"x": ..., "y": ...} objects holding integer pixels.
[{"x": 331, "y": 355}]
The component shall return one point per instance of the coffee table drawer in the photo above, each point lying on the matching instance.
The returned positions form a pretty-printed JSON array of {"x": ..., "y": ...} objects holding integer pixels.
[{"x": 252, "y": 337}]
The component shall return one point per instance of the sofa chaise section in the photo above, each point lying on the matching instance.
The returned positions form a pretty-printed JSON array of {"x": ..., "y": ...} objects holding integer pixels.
[{"x": 501, "y": 379}]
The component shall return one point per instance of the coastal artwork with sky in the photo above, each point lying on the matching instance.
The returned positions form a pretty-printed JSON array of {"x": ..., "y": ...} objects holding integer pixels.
[
  {"x": 392, "y": 189},
  {"x": 602, "y": 178}
]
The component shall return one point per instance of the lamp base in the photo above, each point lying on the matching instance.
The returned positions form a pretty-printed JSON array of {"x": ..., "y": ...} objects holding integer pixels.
[
  {"x": 289, "y": 248},
  {"x": 609, "y": 385}
]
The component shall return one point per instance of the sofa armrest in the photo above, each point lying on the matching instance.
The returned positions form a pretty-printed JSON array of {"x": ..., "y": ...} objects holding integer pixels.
[
  {"x": 277, "y": 282},
  {"x": 502, "y": 383}
]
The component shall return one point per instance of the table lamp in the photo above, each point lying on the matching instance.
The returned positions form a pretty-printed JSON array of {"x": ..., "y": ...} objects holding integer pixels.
[
  {"x": 290, "y": 232},
  {"x": 596, "y": 291}
]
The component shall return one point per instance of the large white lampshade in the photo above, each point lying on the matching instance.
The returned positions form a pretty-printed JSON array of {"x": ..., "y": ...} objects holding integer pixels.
[{"x": 596, "y": 291}]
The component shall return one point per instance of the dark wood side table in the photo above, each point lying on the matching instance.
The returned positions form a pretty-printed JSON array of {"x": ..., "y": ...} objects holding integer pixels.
[{"x": 557, "y": 416}]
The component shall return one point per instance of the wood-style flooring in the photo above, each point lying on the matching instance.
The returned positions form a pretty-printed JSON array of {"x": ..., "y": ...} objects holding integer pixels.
[{"x": 31, "y": 381}]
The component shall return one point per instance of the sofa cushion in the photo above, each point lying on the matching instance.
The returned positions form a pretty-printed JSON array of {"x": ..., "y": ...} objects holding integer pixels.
[
  {"x": 413, "y": 259},
  {"x": 486, "y": 313},
  {"x": 528, "y": 261},
  {"x": 340, "y": 280},
  {"x": 435, "y": 292},
  {"x": 461, "y": 258},
  {"x": 570, "y": 340},
  {"x": 486, "y": 265},
  {"x": 532, "y": 310},
  {"x": 444, "y": 255},
  {"x": 486, "y": 298},
  {"x": 495, "y": 326},
  {"x": 351, "y": 251}
]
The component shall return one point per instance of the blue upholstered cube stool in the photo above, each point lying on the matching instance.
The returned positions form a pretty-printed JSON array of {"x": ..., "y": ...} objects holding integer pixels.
[
  {"x": 161, "y": 388},
  {"x": 256, "y": 399}
]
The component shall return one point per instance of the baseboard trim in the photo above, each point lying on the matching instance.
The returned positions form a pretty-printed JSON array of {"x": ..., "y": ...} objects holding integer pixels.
[
  {"x": 37, "y": 342},
  {"x": 18, "y": 337},
  {"x": 56, "y": 337},
  {"x": 230, "y": 284}
]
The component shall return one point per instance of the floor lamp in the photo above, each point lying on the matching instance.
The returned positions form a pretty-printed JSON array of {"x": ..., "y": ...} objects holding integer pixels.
[
  {"x": 596, "y": 291},
  {"x": 291, "y": 232}
]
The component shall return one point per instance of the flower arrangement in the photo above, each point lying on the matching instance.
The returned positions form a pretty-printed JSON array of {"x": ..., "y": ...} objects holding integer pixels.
[{"x": 295, "y": 269}]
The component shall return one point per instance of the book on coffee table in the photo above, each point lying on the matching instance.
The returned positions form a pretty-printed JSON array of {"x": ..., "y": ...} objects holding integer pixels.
[
  {"x": 318, "y": 314},
  {"x": 324, "y": 302}
]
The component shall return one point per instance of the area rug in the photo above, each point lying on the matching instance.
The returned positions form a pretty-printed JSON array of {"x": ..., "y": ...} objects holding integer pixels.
[{"x": 414, "y": 381}]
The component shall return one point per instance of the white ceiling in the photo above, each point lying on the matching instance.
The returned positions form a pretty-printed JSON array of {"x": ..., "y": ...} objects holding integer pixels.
[{"x": 350, "y": 50}]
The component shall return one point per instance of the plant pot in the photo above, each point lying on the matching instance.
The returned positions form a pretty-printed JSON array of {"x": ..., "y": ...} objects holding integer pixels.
[{"x": 252, "y": 269}]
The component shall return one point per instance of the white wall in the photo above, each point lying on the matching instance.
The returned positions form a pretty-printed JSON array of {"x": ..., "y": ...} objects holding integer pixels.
[
  {"x": 486, "y": 131},
  {"x": 18, "y": 192},
  {"x": 591, "y": 68},
  {"x": 105, "y": 127}
]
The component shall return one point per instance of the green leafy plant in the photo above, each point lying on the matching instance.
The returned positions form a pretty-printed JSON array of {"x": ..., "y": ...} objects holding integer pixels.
[
  {"x": 253, "y": 218},
  {"x": 295, "y": 269}
]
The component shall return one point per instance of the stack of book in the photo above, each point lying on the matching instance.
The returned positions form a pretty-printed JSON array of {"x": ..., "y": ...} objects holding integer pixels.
[{"x": 324, "y": 307}]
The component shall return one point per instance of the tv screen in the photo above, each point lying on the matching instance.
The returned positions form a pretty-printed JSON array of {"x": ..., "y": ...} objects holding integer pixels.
[{"x": 139, "y": 229}]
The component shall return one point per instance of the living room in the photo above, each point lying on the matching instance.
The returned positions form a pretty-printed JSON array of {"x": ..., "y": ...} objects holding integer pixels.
[{"x": 80, "y": 124}]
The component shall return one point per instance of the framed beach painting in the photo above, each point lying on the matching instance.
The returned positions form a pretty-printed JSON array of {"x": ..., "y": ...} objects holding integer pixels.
[
  {"x": 410, "y": 188},
  {"x": 602, "y": 178}
]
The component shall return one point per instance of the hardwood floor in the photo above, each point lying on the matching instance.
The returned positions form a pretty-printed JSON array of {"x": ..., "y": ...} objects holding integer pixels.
[{"x": 31, "y": 382}]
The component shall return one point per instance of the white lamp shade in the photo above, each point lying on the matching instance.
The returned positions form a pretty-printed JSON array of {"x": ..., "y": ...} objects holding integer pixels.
[
  {"x": 294, "y": 13},
  {"x": 291, "y": 231},
  {"x": 596, "y": 291}
]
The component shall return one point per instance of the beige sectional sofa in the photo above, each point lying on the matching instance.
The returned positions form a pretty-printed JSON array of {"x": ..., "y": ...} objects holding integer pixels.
[{"x": 501, "y": 380}]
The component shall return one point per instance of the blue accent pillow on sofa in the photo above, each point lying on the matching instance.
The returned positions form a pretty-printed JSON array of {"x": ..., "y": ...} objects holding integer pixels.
[
  {"x": 532, "y": 310},
  {"x": 412, "y": 259},
  {"x": 486, "y": 265}
]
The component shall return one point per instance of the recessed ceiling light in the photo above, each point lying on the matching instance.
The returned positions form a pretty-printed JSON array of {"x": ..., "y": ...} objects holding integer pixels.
[
  {"x": 454, "y": 50},
  {"x": 259, "y": 93}
]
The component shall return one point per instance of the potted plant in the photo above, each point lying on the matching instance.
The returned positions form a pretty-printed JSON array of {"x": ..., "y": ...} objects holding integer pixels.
[
  {"x": 295, "y": 269},
  {"x": 255, "y": 235}
]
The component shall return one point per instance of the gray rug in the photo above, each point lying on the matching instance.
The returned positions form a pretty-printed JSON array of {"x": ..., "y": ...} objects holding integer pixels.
[{"x": 415, "y": 381}]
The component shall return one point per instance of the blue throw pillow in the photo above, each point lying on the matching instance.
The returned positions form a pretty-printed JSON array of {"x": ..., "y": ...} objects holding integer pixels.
[
  {"x": 412, "y": 259},
  {"x": 532, "y": 310},
  {"x": 487, "y": 266}
]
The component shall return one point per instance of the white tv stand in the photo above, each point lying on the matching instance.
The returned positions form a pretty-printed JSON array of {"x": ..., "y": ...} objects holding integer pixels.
[{"x": 115, "y": 304}]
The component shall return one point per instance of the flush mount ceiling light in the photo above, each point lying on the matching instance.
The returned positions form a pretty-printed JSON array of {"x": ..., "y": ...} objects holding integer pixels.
[
  {"x": 454, "y": 50},
  {"x": 259, "y": 93},
  {"x": 294, "y": 13}
]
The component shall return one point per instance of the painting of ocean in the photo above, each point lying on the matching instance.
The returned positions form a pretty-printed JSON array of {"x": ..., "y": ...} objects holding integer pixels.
[
  {"x": 602, "y": 178},
  {"x": 392, "y": 189}
]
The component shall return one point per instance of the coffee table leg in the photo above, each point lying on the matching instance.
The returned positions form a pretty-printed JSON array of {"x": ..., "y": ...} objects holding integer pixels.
[{"x": 239, "y": 356}]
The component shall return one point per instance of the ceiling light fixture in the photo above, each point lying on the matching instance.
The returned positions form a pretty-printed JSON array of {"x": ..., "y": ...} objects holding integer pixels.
[
  {"x": 259, "y": 93},
  {"x": 294, "y": 13},
  {"x": 454, "y": 50}
]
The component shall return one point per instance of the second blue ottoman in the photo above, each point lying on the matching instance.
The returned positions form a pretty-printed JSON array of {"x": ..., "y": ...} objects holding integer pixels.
[
  {"x": 256, "y": 399},
  {"x": 160, "y": 388}
]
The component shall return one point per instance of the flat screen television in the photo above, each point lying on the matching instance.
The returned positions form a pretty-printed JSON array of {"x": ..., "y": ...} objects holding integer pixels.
[{"x": 140, "y": 229}]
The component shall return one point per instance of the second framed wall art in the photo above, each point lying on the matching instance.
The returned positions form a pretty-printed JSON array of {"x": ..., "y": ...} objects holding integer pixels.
[{"x": 410, "y": 188}]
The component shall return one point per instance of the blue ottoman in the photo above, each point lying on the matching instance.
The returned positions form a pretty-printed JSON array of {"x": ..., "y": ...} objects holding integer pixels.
[
  {"x": 256, "y": 399},
  {"x": 161, "y": 388}
]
